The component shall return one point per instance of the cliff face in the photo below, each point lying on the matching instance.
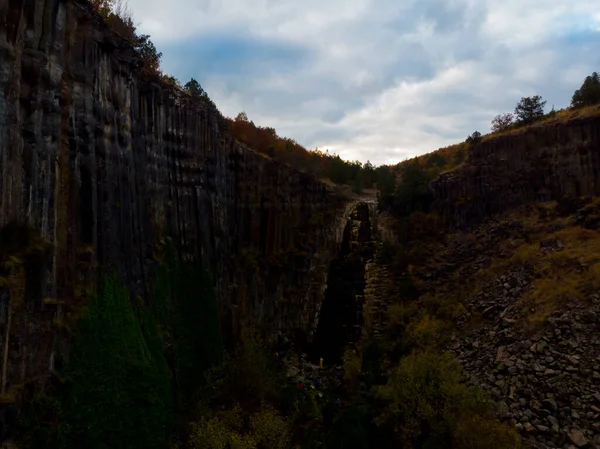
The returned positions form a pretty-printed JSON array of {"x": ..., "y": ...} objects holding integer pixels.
[
  {"x": 108, "y": 167},
  {"x": 540, "y": 164}
]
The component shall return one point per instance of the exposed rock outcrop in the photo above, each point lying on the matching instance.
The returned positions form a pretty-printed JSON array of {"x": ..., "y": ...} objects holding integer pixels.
[
  {"x": 109, "y": 167},
  {"x": 542, "y": 163}
]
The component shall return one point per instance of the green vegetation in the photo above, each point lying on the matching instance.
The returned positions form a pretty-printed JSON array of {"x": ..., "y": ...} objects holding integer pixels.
[
  {"x": 589, "y": 92},
  {"x": 406, "y": 191},
  {"x": 133, "y": 369},
  {"x": 411, "y": 194},
  {"x": 529, "y": 109},
  {"x": 427, "y": 406},
  {"x": 474, "y": 138},
  {"x": 265, "y": 140},
  {"x": 154, "y": 375},
  {"x": 567, "y": 271}
]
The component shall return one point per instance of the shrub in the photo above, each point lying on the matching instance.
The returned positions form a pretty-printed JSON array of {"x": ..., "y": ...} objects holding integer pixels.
[
  {"x": 477, "y": 432},
  {"x": 425, "y": 402},
  {"x": 269, "y": 429},
  {"x": 228, "y": 429},
  {"x": 352, "y": 369},
  {"x": 426, "y": 332},
  {"x": 425, "y": 225},
  {"x": 249, "y": 376}
]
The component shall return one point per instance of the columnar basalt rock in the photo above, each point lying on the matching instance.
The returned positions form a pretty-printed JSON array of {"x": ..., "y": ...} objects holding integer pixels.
[
  {"x": 110, "y": 167},
  {"x": 543, "y": 163}
]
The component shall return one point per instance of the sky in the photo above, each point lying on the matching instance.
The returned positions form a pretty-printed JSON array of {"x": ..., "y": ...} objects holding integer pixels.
[{"x": 377, "y": 80}]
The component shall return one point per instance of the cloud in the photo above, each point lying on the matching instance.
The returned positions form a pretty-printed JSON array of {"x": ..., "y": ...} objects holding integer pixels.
[{"x": 377, "y": 80}]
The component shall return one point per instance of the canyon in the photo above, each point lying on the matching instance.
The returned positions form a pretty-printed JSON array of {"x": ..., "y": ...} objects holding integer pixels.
[
  {"x": 110, "y": 169},
  {"x": 105, "y": 169}
]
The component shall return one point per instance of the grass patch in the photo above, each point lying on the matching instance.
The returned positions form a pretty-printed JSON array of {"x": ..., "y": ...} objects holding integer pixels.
[
  {"x": 571, "y": 272},
  {"x": 566, "y": 266}
]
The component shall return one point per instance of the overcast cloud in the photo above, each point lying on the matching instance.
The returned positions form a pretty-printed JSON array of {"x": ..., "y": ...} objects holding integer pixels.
[{"x": 378, "y": 80}]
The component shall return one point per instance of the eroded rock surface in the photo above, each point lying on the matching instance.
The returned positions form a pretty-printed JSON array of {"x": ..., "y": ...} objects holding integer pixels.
[
  {"x": 542, "y": 163},
  {"x": 111, "y": 167}
]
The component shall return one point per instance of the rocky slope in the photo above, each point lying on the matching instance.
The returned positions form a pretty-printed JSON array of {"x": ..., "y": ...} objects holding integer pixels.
[
  {"x": 529, "y": 332},
  {"x": 110, "y": 168}
]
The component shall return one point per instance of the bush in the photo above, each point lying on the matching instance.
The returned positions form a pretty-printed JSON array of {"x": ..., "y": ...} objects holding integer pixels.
[
  {"x": 269, "y": 430},
  {"x": 426, "y": 332},
  {"x": 385, "y": 254},
  {"x": 425, "y": 226},
  {"x": 477, "y": 432},
  {"x": 266, "y": 429},
  {"x": 248, "y": 377},
  {"x": 350, "y": 430},
  {"x": 352, "y": 369},
  {"x": 425, "y": 401}
]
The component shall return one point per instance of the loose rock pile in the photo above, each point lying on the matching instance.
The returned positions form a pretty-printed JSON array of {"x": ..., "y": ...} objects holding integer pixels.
[
  {"x": 547, "y": 384},
  {"x": 545, "y": 379}
]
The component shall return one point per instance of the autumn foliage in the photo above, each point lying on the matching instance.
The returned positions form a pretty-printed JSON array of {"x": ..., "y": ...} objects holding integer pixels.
[
  {"x": 119, "y": 18},
  {"x": 323, "y": 164}
]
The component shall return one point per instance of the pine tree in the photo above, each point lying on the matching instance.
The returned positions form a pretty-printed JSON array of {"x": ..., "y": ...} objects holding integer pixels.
[{"x": 589, "y": 92}]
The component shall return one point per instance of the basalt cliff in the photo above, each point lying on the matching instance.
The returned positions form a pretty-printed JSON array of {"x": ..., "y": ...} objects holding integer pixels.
[
  {"x": 542, "y": 163},
  {"x": 112, "y": 170},
  {"x": 106, "y": 171}
]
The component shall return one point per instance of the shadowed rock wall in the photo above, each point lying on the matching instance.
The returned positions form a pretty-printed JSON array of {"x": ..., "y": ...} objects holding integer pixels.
[
  {"x": 109, "y": 166},
  {"x": 543, "y": 163}
]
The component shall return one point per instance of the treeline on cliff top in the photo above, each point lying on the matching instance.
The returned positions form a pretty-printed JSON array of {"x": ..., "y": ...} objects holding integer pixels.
[
  {"x": 408, "y": 195},
  {"x": 411, "y": 194},
  {"x": 323, "y": 164}
]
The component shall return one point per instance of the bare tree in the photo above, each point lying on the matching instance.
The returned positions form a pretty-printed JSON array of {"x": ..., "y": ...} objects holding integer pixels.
[{"x": 502, "y": 122}]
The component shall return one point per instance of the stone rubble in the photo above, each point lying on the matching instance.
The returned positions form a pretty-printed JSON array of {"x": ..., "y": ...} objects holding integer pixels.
[{"x": 545, "y": 379}]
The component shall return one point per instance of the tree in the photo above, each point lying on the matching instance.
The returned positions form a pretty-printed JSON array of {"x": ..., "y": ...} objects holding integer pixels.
[
  {"x": 530, "y": 109},
  {"x": 588, "y": 93},
  {"x": 435, "y": 160},
  {"x": 194, "y": 88},
  {"x": 147, "y": 50},
  {"x": 502, "y": 122},
  {"x": 171, "y": 80},
  {"x": 412, "y": 194},
  {"x": 118, "y": 16},
  {"x": 241, "y": 117},
  {"x": 474, "y": 138},
  {"x": 104, "y": 7},
  {"x": 368, "y": 174}
]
